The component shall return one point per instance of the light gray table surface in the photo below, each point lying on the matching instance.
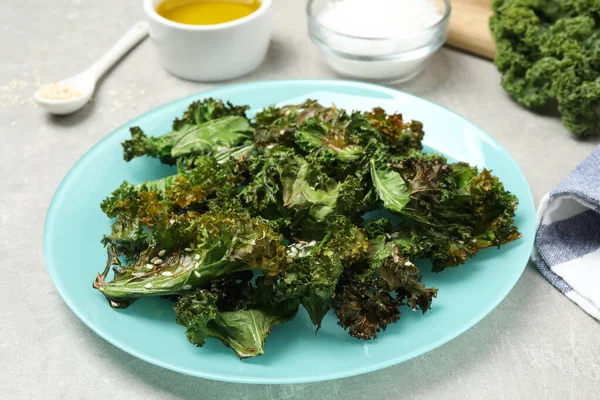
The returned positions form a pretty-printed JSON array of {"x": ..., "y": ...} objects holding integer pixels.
[{"x": 535, "y": 344}]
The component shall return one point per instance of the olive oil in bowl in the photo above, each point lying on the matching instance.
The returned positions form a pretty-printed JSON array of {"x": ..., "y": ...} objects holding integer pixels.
[{"x": 206, "y": 12}]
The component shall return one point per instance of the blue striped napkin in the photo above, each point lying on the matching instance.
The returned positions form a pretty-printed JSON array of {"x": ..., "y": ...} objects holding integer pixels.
[{"x": 567, "y": 244}]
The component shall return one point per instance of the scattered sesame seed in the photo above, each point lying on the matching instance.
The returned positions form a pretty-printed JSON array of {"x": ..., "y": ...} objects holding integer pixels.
[
  {"x": 149, "y": 266},
  {"x": 167, "y": 273},
  {"x": 157, "y": 261},
  {"x": 408, "y": 263},
  {"x": 161, "y": 253},
  {"x": 154, "y": 259},
  {"x": 197, "y": 265},
  {"x": 187, "y": 287},
  {"x": 114, "y": 304},
  {"x": 196, "y": 257},
  {"x": 198, "y": 275},
  {"x": 188, "y": 249},
  {"x": 148, "y": 285},
  {"x": 312, "y": 243}
]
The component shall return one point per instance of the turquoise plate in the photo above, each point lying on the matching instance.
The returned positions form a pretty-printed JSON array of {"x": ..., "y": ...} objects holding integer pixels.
[{"x": 293, "y": 353}]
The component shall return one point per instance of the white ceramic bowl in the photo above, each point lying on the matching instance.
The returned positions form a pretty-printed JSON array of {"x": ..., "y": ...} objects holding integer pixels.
[{"x": 211, "y": 52}]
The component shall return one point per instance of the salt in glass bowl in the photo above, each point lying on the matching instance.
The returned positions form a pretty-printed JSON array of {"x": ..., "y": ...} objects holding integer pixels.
[{"x": 385, "y": 59}]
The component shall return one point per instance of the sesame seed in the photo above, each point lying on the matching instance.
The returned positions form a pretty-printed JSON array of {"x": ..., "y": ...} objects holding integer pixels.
[
  {"x": 157, "y": 261},
  {"x": 408, "y": 263},
  {"x": 167, "y": 273},
  {"x": 148, "y": 285},
  {"x": 149, "y": 266},
  {"x": 198, "y": 275},
  {"x": 197, "y": 265},
  {"x": 197, "y": 257},
  {"x": 161, "y": 253},
  {"x": 312, "y": 243},
  {"x": 114, "y": 304},
  {"x": 187, "y": 287},
  {"x": 154, "y": 259},
  {"x": 188, "y": 249}
]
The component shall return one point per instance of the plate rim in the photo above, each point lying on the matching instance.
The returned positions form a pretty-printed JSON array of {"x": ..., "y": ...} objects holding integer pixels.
[{"x": 491, "y": 305}]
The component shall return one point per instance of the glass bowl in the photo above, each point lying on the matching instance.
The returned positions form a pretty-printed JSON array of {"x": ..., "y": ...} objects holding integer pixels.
[{"x": 378, "y": 59}]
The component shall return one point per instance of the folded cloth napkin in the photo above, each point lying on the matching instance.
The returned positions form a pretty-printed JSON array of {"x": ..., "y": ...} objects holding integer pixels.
[{"x": 567, "y": 244}]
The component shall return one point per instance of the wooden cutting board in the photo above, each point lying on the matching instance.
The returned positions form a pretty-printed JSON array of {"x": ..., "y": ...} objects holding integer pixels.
[{"x": 469, "y": 27}]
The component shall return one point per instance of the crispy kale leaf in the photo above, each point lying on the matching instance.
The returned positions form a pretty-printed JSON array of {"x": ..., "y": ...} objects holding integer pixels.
[
  {"x": 236, "y": 313},
  {"x": 453, "y": 209},
  {"x": 287, "y": 186},
  {"x": 138, "y": 208},
  {"x": 207, "y": 127},
  {"x": 315, "y": 267},
  {"x": 364, "y": 302},
  {"x": 402, "y": 137},
  {"x": 206, "y": 110},
  {"x": 190, "y": 250},
  {"x": 548, "y": 51},
  {"x": 277, "y": 124}
]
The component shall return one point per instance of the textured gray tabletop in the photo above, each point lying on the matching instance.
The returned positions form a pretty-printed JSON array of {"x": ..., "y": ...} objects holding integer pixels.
[{"x": 536, "y": 344}]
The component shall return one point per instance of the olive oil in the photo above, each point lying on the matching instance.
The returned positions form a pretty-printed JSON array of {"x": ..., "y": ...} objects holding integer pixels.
[{"x": 206, "y": 12}]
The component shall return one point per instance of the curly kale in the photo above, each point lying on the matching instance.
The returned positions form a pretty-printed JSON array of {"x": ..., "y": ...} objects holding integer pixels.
[
  {"x": 235, "y": 312},
  {"x": 277, "y": 124},
  {"x": 190, "y": 250},
  {"x": 208, "y": 127},
  {"x": 452, "y": 209},
  {"x": 315, "y": 267},
  {"x": 304, "y": 206},
  {"x": 368, "y": 300},
  {"x": 548, "y": 51}
]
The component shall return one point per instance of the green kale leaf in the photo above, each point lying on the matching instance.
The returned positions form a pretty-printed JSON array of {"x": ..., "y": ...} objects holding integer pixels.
[
  {"x": 244, "y": 330},
  {"x": 547, "y": 52}
]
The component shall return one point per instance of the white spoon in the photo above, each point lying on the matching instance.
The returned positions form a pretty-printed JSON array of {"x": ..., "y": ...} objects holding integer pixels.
[{"x": 73, "y": 93}]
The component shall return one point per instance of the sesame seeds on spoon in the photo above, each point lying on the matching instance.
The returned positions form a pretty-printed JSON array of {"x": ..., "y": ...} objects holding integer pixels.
[{"x": 71, "y": 94}]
